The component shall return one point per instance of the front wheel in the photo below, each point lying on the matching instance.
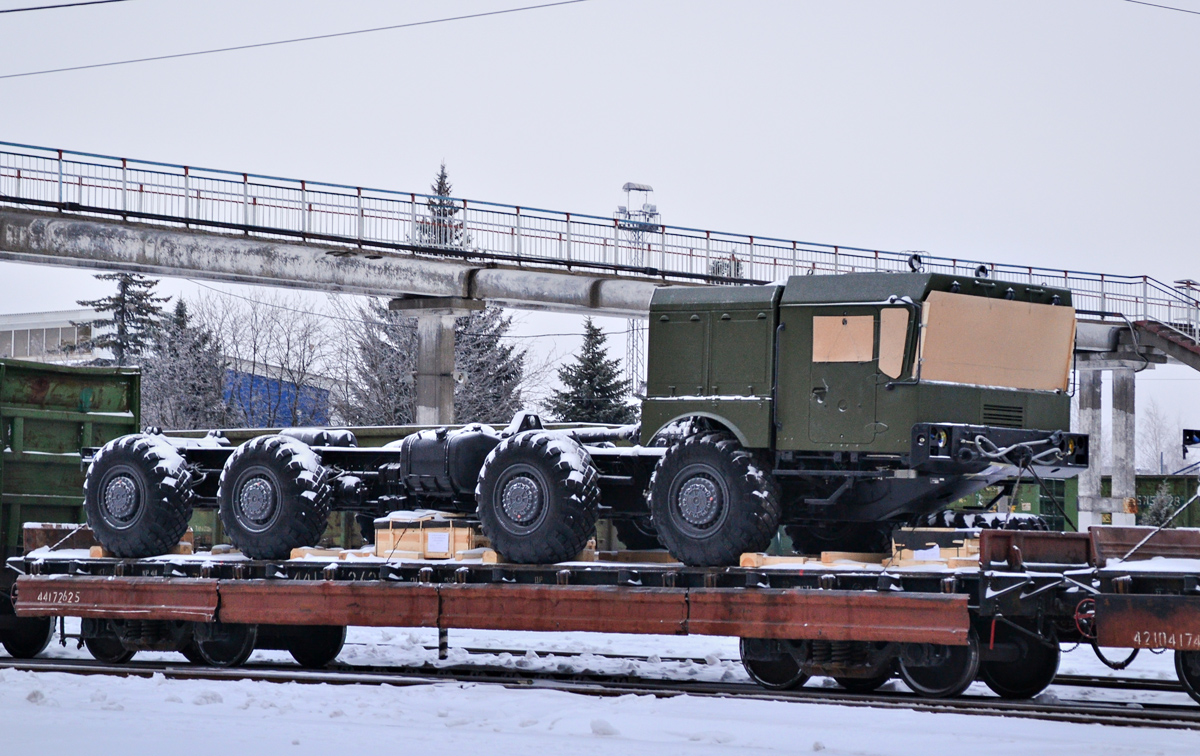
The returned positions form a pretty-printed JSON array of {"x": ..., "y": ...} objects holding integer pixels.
[
  {"x": 713, "y": 500},
  {"x": 538, "y": 498}
]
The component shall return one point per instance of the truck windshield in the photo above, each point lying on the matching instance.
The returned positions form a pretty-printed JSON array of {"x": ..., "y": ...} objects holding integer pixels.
[{"x": 996, "y": 342}]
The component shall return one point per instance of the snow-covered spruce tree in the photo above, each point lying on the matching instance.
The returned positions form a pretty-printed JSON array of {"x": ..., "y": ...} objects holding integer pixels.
[
  {"x": 1160, "y": 507},
  {"x": 183, "y": 377},
  {"x": 135, "y": 314},
  {"x": 379, "y": 360},
  {"x": 495, "y": 371},
  {"x": 440, "y": 227},
  {"x": 593, "y": 389}
]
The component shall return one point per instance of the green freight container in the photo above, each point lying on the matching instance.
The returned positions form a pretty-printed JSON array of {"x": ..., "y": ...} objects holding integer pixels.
[{"x": 47, "y": 412}]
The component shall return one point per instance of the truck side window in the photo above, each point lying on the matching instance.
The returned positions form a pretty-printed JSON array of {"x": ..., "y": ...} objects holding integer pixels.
[
  {"x": 843, "y": 338},
  {"x": 893, "y": 335}
]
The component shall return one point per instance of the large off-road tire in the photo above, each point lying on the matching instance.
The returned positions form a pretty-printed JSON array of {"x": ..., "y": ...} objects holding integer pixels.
[
  {"x": 274, "y": 496},
  {"x": 637, "y": 534},
  {"x": 712, "y": 500},
  {"x": 137, "y": 496},
  {"x": 538, "y": 498}
]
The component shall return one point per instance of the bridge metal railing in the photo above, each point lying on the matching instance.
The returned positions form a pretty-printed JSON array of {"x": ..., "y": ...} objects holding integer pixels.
[{"x": 377, "y": 219}]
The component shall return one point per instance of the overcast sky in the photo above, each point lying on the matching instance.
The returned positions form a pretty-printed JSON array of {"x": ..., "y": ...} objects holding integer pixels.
[{"x": 1053, "y": 132}]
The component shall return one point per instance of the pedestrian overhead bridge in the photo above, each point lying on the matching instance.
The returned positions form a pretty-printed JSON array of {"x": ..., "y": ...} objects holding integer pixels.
[{"x": 441, "y": 256}]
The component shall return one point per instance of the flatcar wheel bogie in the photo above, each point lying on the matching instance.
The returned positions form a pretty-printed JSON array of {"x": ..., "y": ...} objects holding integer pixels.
[
  {"x": 949, "y": 676},
  {"x": 772, "y": 669},
  {"x": 27, "y": 636},
  {"x": 317, "y": 646},
  {"x": 1187, "y": 666},
  {"x": 862, "y": 684},
  {"x": 1026, "y": 676},
  {"x": 109, "y": 650},
  {"x": 225, "y": 644}
]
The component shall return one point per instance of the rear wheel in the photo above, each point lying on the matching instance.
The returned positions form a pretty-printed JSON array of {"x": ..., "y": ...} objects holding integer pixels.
[
  {"x": 538, "y": 498},
  {"x": 769, "y": 664},
  {"x": 953, "y": 668},
  {"x": 274, "y": 496},
  {"x": 317, "y": 646},
  {"x": 108, "y": 650},
  {"x": 137, "y": 497},
  {"x": 712, "y": 501}
]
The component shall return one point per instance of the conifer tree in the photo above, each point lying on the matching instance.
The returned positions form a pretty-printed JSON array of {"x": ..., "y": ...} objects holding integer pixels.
[
  {"x": 593, "y": 389},
  {"x": 441, "y": 227},
  {"x": 494, "y": 371},
  {"x": 382, "y": 357},
  {"x": 135, "y": 316}
]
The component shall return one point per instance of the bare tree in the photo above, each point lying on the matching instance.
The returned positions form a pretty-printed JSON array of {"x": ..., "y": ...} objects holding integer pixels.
[
  {"x": 1158, "y": 440},
  {"x": 278, "y": 350}
]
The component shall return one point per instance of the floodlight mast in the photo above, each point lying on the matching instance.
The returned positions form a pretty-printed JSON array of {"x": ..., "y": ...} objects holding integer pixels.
[{"x": 635, "y": 224}]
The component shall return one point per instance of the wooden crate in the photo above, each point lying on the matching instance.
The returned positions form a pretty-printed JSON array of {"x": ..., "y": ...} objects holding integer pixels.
[{"x": 432, "y": 535}]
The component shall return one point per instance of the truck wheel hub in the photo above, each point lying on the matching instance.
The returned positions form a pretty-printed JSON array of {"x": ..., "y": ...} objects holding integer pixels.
[
  {"x": 521, "y": 500},
  {"x": 121, "y": 497},
  {"x": 257, "y": 500},
  {"x": 699, "y": 501}
]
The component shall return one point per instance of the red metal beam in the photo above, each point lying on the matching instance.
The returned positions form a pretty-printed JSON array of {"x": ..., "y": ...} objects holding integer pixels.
[
  {"x": 829, "y": 615},
  {"x": 297, "y": 602},
  {"x": 115, "y": 598},
  {"x": 602, "y": 609},
  {"x": 1148, "y": 621}
]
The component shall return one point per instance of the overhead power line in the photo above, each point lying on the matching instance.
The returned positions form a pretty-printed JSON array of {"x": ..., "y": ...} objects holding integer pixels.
[
  {"x": 1164, "y": 7},
  {"x": 295, "y": 40},
  {"x": 60, "y": 5}
]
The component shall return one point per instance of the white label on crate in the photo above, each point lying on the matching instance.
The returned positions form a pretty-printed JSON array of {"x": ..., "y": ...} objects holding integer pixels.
[
  {"x": 933, "y": 552},
  {"x": 437, "y": 543},
  {"x": 1027, "y": 506}
]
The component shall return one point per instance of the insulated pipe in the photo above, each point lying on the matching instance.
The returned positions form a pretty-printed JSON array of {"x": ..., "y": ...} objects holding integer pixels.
[{"x": 53, "y": 239}]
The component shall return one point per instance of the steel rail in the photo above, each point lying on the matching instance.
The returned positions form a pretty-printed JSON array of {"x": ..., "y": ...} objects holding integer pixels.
[
  {"x": 1162, "y": 716},
  {"x": 1079, "y": 681}
]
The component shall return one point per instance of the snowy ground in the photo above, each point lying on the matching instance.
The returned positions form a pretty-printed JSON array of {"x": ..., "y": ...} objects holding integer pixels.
[{"x": 56, "y": 713}]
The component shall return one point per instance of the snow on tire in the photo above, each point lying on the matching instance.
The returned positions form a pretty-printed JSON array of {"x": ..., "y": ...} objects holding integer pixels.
[
  {"x": 274, "y": 496},
  {"x": 538, "y": 497},
  {"x": 137, "y": 496},
  {"x": 711, "y": 501}
]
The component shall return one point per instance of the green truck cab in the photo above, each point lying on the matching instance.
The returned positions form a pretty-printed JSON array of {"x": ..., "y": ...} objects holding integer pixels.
[{"x": 870, "y": 398}]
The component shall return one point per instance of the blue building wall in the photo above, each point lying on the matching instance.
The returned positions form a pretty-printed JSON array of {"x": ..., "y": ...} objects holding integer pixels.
[{"x": 268, "y": 402}]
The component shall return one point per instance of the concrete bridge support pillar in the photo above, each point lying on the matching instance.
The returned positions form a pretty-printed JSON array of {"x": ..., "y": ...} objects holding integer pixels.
[
  {"x": 1124, "y": 427},
  {"x": 1090, "y": 423},
  {"x": 1093, "y": 508},
  {"x": 434, "y": 378}
]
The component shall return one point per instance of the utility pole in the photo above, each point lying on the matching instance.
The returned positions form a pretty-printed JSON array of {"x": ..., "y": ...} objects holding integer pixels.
[{"x": 637, "y": 225}]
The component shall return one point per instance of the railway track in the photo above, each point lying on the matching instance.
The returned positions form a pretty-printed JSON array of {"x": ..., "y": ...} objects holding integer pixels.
[
  {"x": 1167, "y": 716},
  {"x": 1079, "y": 681}
]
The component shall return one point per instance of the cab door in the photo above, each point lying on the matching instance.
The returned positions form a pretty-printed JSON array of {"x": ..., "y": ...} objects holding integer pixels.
[{"x": 842, "y": 375}]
